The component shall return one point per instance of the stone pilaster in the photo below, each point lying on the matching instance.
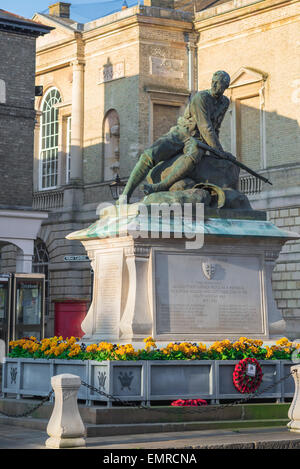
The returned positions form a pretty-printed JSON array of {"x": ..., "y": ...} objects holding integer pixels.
[{"x": 77, "y": 121}]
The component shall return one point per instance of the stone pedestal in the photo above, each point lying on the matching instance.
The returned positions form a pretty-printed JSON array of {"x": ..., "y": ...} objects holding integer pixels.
[
  {"x": 65, "y": 427},
  {"x": 176, "y": 290}
]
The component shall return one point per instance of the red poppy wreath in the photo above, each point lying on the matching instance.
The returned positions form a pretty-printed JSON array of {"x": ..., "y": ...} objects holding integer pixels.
[{"x": 247, "y": 375}]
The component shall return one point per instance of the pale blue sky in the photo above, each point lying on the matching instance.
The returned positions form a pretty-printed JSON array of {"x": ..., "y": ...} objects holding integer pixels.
[{"x": 81, "y": 10}]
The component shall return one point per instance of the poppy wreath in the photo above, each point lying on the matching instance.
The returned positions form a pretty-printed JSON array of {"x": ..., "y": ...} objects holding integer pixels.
[{"x": 243, "y": 383}]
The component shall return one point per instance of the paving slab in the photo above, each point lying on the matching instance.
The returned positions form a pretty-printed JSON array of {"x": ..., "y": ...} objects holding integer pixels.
[{"x": 16, "y": 437}]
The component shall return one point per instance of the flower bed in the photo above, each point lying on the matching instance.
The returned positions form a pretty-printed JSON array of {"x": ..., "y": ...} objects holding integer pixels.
[
  {"x": 59, "y": 348},
  {"x": 177, "y": 371}
]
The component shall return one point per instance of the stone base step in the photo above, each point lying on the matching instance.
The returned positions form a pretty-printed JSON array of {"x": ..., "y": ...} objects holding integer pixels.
[
  {"x": 143, "y": 428},
  {"x": 103, "y": 421}
]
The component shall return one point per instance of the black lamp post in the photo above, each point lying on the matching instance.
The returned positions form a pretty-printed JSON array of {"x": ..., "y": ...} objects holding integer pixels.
[{"x": 117, "y": 187}]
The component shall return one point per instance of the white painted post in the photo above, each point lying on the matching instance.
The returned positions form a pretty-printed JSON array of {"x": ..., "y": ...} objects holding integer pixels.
[
  {"x": 65, "y": 427},
  {"x": 294, "y": 410}
]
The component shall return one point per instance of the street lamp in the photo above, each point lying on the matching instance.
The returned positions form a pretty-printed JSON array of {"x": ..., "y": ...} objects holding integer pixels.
[{"x": 117, "y": 187}]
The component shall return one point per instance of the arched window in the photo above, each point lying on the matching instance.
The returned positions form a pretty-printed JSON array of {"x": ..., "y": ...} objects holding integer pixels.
[
  {"x": 49, "y": 140},
  {"x": 111, "y": 144}
]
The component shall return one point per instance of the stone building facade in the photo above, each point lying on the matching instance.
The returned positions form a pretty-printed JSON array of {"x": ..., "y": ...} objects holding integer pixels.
[
  {"x": 257, "y": 43},
  {"x": 113, "y": 85}
]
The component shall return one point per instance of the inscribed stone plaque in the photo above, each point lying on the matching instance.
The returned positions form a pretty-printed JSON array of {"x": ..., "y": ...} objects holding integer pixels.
[
  {"x": 169, "y": 68},
  {"x": 109, "y": 284},
  {"x": 207, "y": 295}
]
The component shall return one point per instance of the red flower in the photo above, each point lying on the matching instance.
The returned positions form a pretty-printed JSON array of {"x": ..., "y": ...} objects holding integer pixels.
[
  {"x": 189, "y": 402},
  {"x": 179, "y": 402}
]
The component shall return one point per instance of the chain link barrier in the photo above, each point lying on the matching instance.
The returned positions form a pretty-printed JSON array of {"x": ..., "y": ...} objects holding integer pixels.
[
  {"x": 31, "y": 410},
  {"x": 196, "y": 409},
  {"x": 188, "y": 409}
]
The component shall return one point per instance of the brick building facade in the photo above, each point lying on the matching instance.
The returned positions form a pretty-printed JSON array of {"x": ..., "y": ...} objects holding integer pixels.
[
  {"x": 17, "y": 113},
  {"x": 18, "y": 222}
]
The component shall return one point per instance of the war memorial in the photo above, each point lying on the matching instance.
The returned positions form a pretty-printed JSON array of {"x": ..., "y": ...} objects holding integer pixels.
[{"x": 190, "y": 263}]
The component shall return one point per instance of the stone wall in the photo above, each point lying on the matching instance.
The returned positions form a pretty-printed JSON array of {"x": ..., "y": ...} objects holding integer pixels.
[
  {"x": 234, "y": 40},
  {"x": 286, "y": 275},
  {"x": 231, "y": 38}
]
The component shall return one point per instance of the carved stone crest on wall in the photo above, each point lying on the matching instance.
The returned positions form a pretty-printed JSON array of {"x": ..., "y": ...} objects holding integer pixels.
[
  {"x": 208, "y": 270},
  {"x": 111, "y": 72}
]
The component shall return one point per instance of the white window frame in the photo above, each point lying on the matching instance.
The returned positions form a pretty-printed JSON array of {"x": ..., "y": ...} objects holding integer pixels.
[{"x": 50, "y": 148}]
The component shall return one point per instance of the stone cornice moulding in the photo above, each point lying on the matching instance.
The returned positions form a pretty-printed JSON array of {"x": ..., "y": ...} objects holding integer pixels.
[
  {"x": 204, "y": 21},
  {"x": 133, "y": 21},
  {"x": 53, "y": 67},
  {"x": 54, "y": 23},
  {"x": 56, "y": 66},
  {"x": 15, "y": 213},
  {"x": 254, "y": 76},
  {"x": 63, "y": 105},
  {"x": 52, "y": 46}
]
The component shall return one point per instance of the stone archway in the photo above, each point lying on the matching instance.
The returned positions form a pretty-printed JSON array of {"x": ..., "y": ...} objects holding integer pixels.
[{"x": 20, "y": 228}]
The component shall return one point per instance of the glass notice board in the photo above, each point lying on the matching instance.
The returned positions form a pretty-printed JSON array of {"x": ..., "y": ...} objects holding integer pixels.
[{"x": 29, "y": 305}]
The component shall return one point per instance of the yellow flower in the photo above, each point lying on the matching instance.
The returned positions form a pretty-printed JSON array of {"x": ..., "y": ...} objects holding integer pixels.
[
  {"x": 148, "y": 339},
  {"x": 75, "y": 349},
  {"x": 92, "y": 348},
  {"x": 149, "y": 343},
  {"x": 270, "y": 352},
  {"x": 202, "y": 347},
  {"x": 283, "y": 342}
]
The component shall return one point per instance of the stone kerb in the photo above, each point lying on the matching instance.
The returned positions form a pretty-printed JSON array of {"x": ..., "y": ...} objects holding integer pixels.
[{"x": 65, "y": 427}]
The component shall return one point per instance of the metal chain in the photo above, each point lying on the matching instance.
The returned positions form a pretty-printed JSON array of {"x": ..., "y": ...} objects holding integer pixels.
[
  {"x": 109, "y": 396},
  {"x": 132, "y": 404},
  {"x": 199, "y": 408},
  {"x": 239, "y": 401},
  {"x": 32, "y": 409}
]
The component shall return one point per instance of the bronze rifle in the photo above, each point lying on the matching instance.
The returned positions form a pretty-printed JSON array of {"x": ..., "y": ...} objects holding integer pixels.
[{"x": 221, "y": 155}]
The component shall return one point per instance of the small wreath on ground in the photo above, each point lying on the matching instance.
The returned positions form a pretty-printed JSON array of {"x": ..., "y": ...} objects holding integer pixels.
[
  {"x": 247, "y": 375},
  {"x": 189, "y": 402}
]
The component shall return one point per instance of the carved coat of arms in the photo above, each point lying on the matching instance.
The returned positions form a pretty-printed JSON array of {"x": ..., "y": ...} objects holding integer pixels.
[{"x": 208, "y": 269}]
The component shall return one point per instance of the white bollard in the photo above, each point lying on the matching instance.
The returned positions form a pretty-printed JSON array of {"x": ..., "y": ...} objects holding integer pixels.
[
  {"x": 294, "y": 410},
  {"x": 65, "y": 427}
]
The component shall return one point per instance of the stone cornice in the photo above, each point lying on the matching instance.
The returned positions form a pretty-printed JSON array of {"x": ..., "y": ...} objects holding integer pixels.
[
  {"x": 75, "y": 58},
  {"x": 229, "y": 13},
  {"x": 133, "y": 21},
  {"x": 54, "y": 66},
  {"x": 62, "y": 43}
]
